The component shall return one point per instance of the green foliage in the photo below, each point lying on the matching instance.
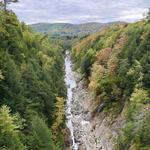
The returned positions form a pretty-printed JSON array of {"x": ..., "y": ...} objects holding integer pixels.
[
  {"x": 134, "y": 53},
  {"x": 58, "y": 124},
  {"x": 129, "y": 131},
  {"x": 119, "y": 76},
  {"x": 68, "y": 30},
  {"x": 31, "y": 79},
  {"x": 148, "y": 15},
  {"x": 6, "y": 121},
  {"x": 133, "y": 132},
  {"x": 9, "y": 130},
  {"x": 87, "y": 62},
  {"x": 1, "y": 75},
  {"x": 139, "y": 96},
  {"x": 40, "y": 135},
  {"x": 145, "y": 131}
]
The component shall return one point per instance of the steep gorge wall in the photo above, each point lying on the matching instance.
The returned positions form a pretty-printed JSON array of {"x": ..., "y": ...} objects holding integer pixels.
[
  {"x": 93, "y": 131},
  {"x": 115, "y": 64}
]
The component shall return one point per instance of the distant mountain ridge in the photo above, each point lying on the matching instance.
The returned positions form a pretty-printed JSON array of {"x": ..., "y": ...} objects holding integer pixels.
[{"x": 67, "y": 29}]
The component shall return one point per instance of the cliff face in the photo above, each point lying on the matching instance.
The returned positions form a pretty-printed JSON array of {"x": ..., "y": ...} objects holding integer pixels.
[{"x": 91, "y": 131}]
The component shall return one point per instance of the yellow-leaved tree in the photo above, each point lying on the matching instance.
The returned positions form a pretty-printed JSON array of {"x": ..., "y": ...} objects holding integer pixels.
[
  {"x": 57, "y": 127},
  {"x": 9, "y": 130},
  {"x": 1, "y": 75}
]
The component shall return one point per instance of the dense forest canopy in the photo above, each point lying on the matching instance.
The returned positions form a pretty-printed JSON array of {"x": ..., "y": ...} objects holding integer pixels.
[
  {"x": 32, "y": 89},
  {"x": 116, "y": 64},
  {"x": 70, "y": 30}
]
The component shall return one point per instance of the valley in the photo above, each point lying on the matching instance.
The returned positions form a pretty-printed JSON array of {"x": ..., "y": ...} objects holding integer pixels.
[
  {"x": 74, "y": 86},
  {"x": 70, "y": 30}
]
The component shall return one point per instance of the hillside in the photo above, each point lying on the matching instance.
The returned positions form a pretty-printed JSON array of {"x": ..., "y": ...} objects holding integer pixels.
[
  {"x": 32, "y": 88},
  {"x": 65, "y": 29},
  {"x": 115, "y": 64},
  {"x": 77, "y": 87}
]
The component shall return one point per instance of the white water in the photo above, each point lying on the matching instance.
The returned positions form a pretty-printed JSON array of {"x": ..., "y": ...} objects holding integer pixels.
[{"x": 71, "y": 84}]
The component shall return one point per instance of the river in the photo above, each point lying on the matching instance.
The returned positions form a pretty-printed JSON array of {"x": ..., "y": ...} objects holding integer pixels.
[
  {"x": 79, "y": 107},
  {"x": 71, "y": 84}
]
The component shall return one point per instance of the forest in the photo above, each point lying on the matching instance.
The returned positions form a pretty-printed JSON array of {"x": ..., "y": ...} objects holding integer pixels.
[
  {"x": 32, "y": 88},
  {"x": 113, "y": 61},
  {"x": 71, "y": 30}
]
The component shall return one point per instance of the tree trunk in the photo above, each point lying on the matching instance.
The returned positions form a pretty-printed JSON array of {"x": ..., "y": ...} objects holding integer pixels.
[{"x": 5, "y": 5}]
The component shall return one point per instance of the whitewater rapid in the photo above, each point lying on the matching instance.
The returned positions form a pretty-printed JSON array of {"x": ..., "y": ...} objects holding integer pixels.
[
  {"x": 71, "y": 84},
  {"x": 85, "y": 132}
]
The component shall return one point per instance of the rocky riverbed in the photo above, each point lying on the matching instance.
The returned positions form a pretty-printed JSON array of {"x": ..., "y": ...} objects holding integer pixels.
[
  {"x": 84, "y": 130},
  {"x": 88, "y": 132}
]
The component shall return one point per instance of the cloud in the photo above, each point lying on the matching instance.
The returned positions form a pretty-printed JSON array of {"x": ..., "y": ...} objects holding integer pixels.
[{"x": 79, "y": 11}]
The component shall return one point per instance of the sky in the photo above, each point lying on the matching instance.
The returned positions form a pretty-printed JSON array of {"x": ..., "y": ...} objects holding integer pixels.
[{"x": 80, "y": 11}]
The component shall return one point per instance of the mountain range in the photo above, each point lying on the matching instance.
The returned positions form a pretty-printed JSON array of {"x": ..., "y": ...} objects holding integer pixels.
[{"x": 67, "y": 29}]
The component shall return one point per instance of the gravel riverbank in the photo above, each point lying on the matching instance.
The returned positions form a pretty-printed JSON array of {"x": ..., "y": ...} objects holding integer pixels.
[
  {"x": 82, "y": 120},
  {"x": 88, "y": 132}
]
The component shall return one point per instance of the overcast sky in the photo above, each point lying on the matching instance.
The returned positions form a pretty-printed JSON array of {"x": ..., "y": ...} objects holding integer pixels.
[{"x": 80, "y": 11}]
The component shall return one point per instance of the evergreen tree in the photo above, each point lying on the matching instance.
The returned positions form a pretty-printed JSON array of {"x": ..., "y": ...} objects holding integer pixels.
[
  {"x": 9, "y": 130},
  {"x": 31, "y": 78},
  {"x": 148, "y": 15},
  {"x": 41, "y": 135}
]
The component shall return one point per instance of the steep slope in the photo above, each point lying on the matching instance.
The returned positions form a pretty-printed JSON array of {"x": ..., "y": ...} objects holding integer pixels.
[
  {"x": 66, "y": 29},
  {"x": 32, "y": 88},
  {"x": 115, "y": 64}
]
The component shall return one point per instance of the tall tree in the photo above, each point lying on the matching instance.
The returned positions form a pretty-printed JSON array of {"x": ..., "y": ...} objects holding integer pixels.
[
  {"x": 42, "y": 138},
  {"x": 148, "y": 15},
  {"x": 8, "y": 2},
  {"x": 9, "y": 130}
]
